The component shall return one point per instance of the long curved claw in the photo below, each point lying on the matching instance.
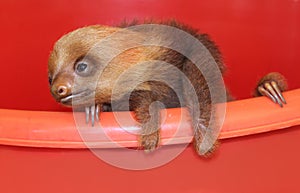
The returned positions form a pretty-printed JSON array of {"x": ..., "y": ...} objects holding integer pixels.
[
  {"x": 264, "y": 92},
  {"x": 87, "y": 114},
  {"x": 94, "y": 112},
  {"x": 275, "y": 86},
  {"x": 97, "y": 112},
  {"x": 93, "y": 115},
  {"x": 272, "y": 91}
]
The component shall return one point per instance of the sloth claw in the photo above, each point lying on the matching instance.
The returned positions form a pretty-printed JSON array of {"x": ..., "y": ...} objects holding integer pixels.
[
  {"x": 272, "y": 91},
  {"x": 94, "y": 111}
]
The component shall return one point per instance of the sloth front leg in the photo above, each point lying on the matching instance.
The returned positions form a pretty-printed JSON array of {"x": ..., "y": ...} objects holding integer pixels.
[
  {"x": 147, "y": 113},
  {"x": 204, "y": 121},
  {"x": 199, "y": 103}
]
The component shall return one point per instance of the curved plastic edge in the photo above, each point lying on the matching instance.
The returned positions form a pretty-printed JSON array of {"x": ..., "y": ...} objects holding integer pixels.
[{"x": 58, "y": 129}]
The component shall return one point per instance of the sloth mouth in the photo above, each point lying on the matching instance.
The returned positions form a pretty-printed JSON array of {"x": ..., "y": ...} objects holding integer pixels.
[{"x": 76, "y": 98}]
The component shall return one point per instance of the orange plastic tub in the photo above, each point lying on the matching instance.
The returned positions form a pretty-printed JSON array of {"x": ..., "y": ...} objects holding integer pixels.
[
  {"x": 59, "y": 130},
  {"x": 41, "y": 150}
]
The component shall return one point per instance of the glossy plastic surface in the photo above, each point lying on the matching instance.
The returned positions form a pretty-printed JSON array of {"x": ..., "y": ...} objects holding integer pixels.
[
  {"x": 59, "y": 129},
  {"x": 255, "y": 36}
]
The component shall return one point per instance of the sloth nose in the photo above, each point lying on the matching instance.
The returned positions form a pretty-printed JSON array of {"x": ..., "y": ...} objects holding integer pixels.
[{"x": 62, "y": 90}]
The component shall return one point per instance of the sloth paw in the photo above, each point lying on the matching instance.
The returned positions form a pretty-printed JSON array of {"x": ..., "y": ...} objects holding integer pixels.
[
  {"x": 150, "y": 142},
  {"x": 200, "y": 148},
  {"x": 272, "y": 85}
]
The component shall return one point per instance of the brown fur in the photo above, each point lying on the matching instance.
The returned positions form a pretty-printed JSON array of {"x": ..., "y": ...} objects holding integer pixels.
[{"x": 76, "y": 45}]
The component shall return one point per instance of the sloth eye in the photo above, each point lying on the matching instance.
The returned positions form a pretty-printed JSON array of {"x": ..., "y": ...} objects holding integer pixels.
[
  {"x": 81, "y": 67},
  {"x": 84, "y": 66}
]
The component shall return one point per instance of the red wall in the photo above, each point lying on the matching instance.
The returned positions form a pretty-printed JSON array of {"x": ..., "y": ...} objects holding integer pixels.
[{"x": 255, "y": 37}]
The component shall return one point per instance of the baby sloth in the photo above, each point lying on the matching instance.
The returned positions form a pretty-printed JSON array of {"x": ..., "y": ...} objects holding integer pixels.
[{"x": 140, "y": 67}]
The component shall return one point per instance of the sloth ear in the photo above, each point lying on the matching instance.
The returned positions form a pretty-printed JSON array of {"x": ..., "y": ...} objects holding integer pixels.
[{"x": 49, "y": 80}]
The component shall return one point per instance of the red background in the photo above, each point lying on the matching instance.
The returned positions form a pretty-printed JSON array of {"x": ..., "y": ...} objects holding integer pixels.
[{"x": 255, "y": 36}]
